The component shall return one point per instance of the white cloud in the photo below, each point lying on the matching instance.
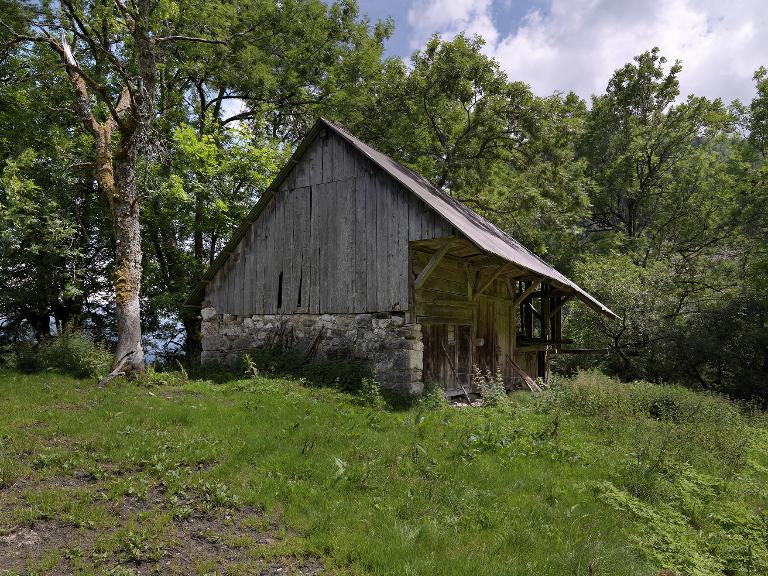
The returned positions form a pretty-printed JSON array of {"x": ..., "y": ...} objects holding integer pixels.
[
  {"x": 577, "y": 44},
  {"x": 449, "y": 17}
]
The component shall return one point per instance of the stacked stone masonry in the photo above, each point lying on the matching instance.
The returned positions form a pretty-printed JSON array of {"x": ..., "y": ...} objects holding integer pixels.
[{"x": 394, "y": 349}]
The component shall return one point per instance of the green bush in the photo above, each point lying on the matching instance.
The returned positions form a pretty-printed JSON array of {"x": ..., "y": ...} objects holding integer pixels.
[
  {"x": 370, "y": 394},
  {"x": 433, "y": 397},
  {"x": 491, "y": 387},
  {"x": 670, "y": 424},
  {"x": 72, "y": 353}
]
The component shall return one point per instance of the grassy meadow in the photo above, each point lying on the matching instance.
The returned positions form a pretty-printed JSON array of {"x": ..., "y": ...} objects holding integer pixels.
[{"x": 270, "y": 476}]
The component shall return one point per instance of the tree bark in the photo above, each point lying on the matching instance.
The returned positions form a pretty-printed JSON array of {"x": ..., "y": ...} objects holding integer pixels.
[{"x": 127, "y": 230}]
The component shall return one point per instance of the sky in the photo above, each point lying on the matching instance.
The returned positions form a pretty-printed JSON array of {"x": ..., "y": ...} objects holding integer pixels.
[{"x": 562, "y": 45}]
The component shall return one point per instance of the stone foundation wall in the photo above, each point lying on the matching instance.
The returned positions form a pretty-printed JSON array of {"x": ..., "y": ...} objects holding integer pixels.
[{"x": 394, "y": 348}]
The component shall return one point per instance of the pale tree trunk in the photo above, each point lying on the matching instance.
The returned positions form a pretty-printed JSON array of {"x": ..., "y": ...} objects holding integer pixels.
[
  {"x": 125, "y": 214},
  {"x": 116, "y": 175}
]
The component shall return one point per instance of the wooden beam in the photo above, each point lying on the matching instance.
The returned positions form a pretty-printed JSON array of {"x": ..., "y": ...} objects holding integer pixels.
[
  {"x": 598, "y": 351},
  {"x": 529, "y": 382},
  {"x": 432, "y": 264},
  {"x": 560, "y": 304},
  {"x": 484, "y": 287},
  {"x": 528, "y": 291},
  {"x": 534, "y": 311}
]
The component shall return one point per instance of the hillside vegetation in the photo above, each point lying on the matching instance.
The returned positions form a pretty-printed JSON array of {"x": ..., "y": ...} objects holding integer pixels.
[{"x": 268, "y": 476}]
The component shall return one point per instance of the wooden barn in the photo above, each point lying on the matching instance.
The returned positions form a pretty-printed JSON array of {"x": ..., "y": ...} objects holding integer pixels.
[{"x": 350, "y": 253}]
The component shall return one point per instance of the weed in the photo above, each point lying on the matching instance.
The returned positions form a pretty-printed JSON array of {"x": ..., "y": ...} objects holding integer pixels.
[
  {"x": 491, "y": 387},
  {"x": 433, "y": 397},
  {"x": 370, "y": 394}
]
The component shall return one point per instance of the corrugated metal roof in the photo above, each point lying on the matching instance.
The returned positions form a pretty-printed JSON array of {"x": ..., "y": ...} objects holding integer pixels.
[{"x": 474, "y": 227}]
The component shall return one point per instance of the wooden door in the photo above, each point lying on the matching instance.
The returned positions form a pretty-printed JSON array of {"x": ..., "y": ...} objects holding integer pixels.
[{"x": 447, "y": 356}]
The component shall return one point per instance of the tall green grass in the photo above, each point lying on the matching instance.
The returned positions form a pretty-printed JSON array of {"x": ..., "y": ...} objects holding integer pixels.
[{"x": 591, "y": 477}]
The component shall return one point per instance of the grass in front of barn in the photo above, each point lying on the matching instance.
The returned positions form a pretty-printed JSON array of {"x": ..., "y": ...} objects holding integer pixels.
[{"x": 266, "y": 476}]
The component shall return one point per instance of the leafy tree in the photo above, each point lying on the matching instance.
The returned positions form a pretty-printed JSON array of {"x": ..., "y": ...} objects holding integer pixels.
[
  {"x": 139, "y": 70},
  {"x": 454, "y": 117},
  {"x": 53, "y": 255},
  {"x": 665, "y": 233}
]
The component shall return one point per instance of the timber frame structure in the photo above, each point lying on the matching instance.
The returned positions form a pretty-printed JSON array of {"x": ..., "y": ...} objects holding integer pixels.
[{"x": 345, "y": 231}]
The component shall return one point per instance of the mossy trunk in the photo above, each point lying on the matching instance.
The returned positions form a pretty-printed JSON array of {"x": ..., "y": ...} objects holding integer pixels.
[
  {"x": 127, "y": 230},
  {"x": 118, "y": 182}
]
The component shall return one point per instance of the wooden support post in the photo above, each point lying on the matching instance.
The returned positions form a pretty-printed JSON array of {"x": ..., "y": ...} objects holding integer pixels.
[
  {"x": 432, "y": 264},
  {"x": 470, "y": 282},
  {"x": 544, "y": 318},
  {"x": 528, "y": 291},
  {"x": 496, "y": 274},
  {"x": 560, "y": 304}
]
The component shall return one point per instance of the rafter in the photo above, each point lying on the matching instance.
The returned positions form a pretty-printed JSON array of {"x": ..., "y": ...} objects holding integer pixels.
[
  {"x": 432, "y": 264},
  {"x": 528, "y": 291}
]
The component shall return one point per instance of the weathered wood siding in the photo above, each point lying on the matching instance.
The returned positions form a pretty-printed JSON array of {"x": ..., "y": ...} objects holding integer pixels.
[
  {"x": 443, "y": 306},
  {"x": 334, "y": 239}
]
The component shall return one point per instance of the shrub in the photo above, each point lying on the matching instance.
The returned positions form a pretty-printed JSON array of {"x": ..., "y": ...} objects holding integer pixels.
[
  {"x": 370, "y": 394},
  {"x": 433, "y": 397},
  {"x": 491, "y": 387},
  {"x": 73, "y": 353},
  {"x": 671, "y": 424}
]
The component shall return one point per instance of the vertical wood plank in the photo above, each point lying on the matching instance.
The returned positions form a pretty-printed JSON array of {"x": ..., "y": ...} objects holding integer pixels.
[
  {"x": 316, "y": 161},
  {"x": 371, "y": 240},
  {"x": 393, "y": 252},
  {"x": 328, "y": 249},
  {"x": 305, "y": 279},
  {"x": 382, "y": 242},
  {"x": 414, "y": 217},
  {"x": 400, "y": 270},
  {"x": 302, "y": 171},
  {"x": 288, "y": 250},
  {"x": 269, "y": 257},
  {"x": 360, "y": 247},
  {"x": 314, "y": 257},
  {"x": 324, "y": 251},
  {"x": 346, "y": 208},
  {"x": 328, "y": 142}
]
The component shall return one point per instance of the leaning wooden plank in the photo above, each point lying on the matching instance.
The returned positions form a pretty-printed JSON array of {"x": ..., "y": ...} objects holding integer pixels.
[
  {"x": 529, "y": 382},
  {"x": 560, "y": 304},
  {"x": 496, "y": 273}
]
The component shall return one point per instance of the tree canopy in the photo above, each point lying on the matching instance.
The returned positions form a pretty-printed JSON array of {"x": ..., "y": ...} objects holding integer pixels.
[{"x": 155, "y": 125}]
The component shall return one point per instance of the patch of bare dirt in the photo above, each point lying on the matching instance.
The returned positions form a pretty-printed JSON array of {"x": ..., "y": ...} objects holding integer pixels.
[{"x": 222, "y": 540}]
